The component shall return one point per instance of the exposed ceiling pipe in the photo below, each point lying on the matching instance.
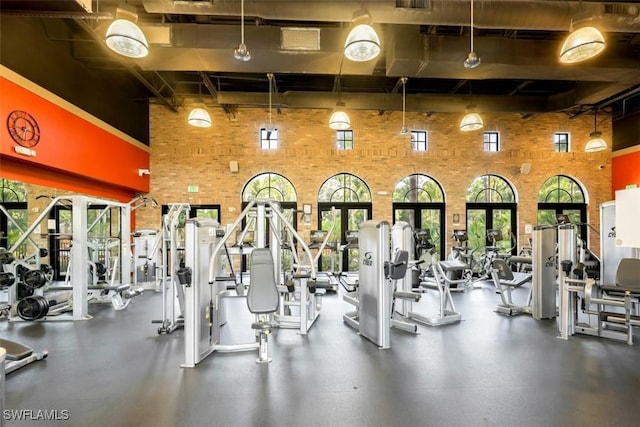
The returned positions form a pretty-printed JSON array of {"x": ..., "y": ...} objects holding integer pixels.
[
  {"x": 172, "y": 102},
  {"x": 541, "y": 15},
  {"x": 205, "y": 48},
  {"x": 628, "y": 94},
  {"x": 423, "y": 103}
]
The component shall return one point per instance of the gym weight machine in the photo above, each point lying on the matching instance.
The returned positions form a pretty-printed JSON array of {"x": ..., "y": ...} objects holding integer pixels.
[
  {"x": 270, "y": 302},
  {"x": 443, "y": 275},
  {"x": 170, "y": 243},
  {"x": 81, "y": 269},
  {"x": 375, "y": 295},
  {"x": 16, "y": 355},
  {"x": 613, "y": 299}
]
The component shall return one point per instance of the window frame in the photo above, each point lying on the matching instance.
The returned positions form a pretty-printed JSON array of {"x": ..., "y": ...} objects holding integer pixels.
[
  {"x": 491, "y": 144},
  {"x": 415, "y": 141},
  {"x": 559, "y": 144},
  {"x": 344, "y": 140},
  {"x": 269, "y": 139}
]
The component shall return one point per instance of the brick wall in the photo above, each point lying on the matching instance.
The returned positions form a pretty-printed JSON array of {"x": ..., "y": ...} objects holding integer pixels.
[{"x": 182, "y": 155}]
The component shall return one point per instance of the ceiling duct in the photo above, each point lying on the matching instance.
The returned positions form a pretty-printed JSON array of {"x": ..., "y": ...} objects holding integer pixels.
[
  {"x": 542, "y": 15},
  {"x": 300, "y": 39},
  {"x": 410, "y": 54}
]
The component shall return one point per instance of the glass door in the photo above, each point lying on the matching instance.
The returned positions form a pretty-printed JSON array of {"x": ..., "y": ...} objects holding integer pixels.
[
  {"x": 330, "y": 258},
  {"x": 498, "y": 217},
  {"x": 60, "y": 241},
  {"x": 355, "y": 217},
  {"x": 477, "y": 229},
  {"x": 548, "y": 215},
  {"x": 430, "y": 219},
  {"x": 349, "y": 218}
]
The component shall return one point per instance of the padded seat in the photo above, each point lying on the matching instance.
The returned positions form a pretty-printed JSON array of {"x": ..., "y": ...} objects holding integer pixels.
[
  {"x": 624, "y": 294},
  {"x": 508, "y": 277},
  {"x": 262, "y": 297},
  {"x": 15, "y": 351},
  {"x": 627, "y": 277}
]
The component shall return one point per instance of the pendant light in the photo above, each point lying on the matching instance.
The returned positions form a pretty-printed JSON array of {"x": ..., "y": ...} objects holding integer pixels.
[
  {"x": 472, "y": 60},
  {"x": 270, "y": 77},
  {"x": 362, "y": 43},
  {"x": 583, "y": 42},
  {"x": 199, "y": 117},
  {"x": 596, "y": 142},
  {"x": 125, "y": 37},
  {"x": 242, "y": 53},
  {"x": 339, "y": 120},
  {"x": 472, "y": 120},
  {"x": 404, "y": 130}
]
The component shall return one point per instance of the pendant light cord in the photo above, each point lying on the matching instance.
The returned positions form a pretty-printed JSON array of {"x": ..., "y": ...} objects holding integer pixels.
[
  {"x": 270, "y": 77},
  {"x": 404, "y": 84},
  {"x": 242, "y": 21},
  {"x": 471, "y": 25}
]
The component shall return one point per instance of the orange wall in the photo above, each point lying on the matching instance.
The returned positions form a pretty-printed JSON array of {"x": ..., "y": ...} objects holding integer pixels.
[
  {"x": 75, "y": 153},
  {"x": 625, "y": 169}
]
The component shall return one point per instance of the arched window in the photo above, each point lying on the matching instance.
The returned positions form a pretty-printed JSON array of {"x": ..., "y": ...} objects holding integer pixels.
[
  {"x": 344, "y": 188},
  {"x": 562, "y": 195},
  {"x": 491, "y": 205},
  {"x": 13, "y": 212},
  {"x": 490, "y": 189},
  {"x": 276, "y": 187},
  {"x": 561, "y": 189},
  {"x": 269, "y": 186},
  {"x": 419, "y": 200},
  {"x": 351, "y": 197},
  {"x": 12, "y": 191}
]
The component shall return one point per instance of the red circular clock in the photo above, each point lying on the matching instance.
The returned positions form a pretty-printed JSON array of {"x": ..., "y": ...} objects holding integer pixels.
[{"x": 23, "y": 128}]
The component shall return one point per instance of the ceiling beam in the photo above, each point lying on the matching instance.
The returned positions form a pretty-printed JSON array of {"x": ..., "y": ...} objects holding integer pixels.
[
  {"x": 156, "y": 85},
  {"x": 543, "y": 15},
  {"x": 414, "y": 103}
]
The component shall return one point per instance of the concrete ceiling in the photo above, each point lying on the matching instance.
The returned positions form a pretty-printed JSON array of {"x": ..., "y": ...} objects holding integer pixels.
[{"x": 191, "y": 44}]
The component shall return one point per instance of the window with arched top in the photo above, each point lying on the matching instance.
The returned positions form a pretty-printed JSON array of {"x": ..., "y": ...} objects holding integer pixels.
[
  {"x": 13, "y": 215},
  {"x": 269, "y": 185},
  {"x": 562, "y": 198},
  {"x": 273, "y": 186},
  {"x": 491, "y": 213},
  {"x": 561, "y": 189},
  {"x": 490, "y": 189},
  {"x": 351, "y": 198},
  {"x": 12, "y": 191},
  {"x": 419, "y": 200},
  {"x": 418, "y": 188},
  {"x": 344, "y": 188}
]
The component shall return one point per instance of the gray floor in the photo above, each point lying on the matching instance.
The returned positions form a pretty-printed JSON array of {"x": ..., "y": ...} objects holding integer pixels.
[{"x": 488, "y": 370}]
